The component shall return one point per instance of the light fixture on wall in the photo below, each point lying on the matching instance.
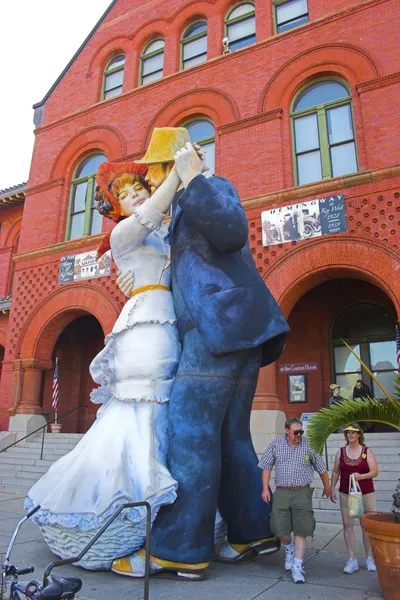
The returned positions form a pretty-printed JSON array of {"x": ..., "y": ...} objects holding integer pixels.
[{"x": 225, "y": 43}]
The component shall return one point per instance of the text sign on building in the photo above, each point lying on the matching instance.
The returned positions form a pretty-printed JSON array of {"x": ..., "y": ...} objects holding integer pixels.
[
  {"x": 306, "y": 367},
  {"x": 84, "y": 266},
  {"x": 304, "y": 220}
]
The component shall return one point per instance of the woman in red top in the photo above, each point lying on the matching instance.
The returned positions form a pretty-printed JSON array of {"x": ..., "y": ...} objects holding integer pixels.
[{"x": 355, "y": 458}]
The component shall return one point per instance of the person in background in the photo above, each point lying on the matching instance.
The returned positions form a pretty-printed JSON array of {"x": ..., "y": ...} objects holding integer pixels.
[
  {"x": 292, "y": 511},
  {"x": 355, "y": 458},
  {"x": 361, "y": 390},
  {"x": 336, "y": 397}
]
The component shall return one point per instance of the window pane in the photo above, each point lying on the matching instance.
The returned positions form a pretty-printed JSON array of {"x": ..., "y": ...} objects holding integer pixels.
[
  {"x": 242, "y": 29},
  {"x": 118, "y": 61},
  {"x": 195, "y": 48},
  {"x": 97, "y": 222},
  {"x": 340, "y": 124},
  {"x": 77, "y": 224},
  {"x": 79, "y": 202},
  {"x": 241, "y": 10},
  {"x": 383, "y": 355},
  {"x": 115, "y": 92},
  {"x": 152, "y": 77},
  {"x": 90, "y": 165},
  {"x": 194, "y": 61},
  {"x": 156, "y": 45},
  {"x": 388, "y": 380},
  {"x": 291, "y": 10},
  {"x": 200, "y": 130},
  {"x": 306, "y": 133},
  {"x": 114, "y": 80},
  {"x": 210, "y": 158},
  {"x": 155, "y": 63},
  {"x": 242, "y": 42},
  {"x": 195, "y": 28},
  {"x": 309, "y": 167},
  {"x": 321, "y": 92},
  {"x": 345, "y": 362},
  {"x": 347, "y": 383},
  {"x": 292, "y": 24},
  {"x": 343, "y": 159}
]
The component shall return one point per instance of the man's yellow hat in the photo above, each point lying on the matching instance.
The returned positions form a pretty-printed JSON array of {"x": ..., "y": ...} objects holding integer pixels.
[{"x": 164, "y": 144}]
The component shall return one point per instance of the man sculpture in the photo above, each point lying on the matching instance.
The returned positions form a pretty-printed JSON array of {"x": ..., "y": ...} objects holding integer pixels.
[{"x": 229, "y": 326}]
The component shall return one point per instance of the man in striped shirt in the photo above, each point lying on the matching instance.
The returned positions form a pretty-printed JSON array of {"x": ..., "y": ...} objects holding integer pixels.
[{"x": 292, "y": 511}]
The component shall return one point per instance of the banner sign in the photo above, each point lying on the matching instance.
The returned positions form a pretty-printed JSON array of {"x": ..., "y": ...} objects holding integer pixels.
[
  {"x": 304, "y": 220},
  {"x": 84, "y": 266},
  {"x": 298, "y": 367}
]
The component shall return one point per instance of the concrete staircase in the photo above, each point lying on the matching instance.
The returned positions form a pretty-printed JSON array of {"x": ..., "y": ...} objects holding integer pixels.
[{"x": 21, "y": 465}]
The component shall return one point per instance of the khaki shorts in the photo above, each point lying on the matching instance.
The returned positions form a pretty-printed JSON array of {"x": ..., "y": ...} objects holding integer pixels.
[
  {"x": 292, "y": 511},
  {"x": 369, "y": 501}
]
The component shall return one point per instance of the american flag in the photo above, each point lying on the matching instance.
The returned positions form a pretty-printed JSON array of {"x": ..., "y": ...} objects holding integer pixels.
[
  {"x": 398, "y": 347},
  {"x": 54, "y": 393}
]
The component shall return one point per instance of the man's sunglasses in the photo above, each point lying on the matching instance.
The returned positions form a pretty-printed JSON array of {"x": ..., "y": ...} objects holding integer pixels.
[{"x": 298, "y": 432}]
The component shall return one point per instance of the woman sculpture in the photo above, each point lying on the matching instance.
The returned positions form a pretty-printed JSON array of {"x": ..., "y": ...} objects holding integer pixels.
[
  {"x": 355, "y": 458},
  {"x": 122, "y": 458}
]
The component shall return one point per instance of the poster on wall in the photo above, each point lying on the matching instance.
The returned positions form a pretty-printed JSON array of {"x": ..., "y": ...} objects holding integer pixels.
[
  {"x": 297, "y": 388},
  {"x": 84, "y": 266},
  {"x": 304, "y": 220}
]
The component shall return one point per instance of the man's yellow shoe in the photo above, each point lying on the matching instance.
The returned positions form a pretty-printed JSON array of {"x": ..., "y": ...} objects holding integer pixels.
[
  {"x": 134, "y": 566},
  {"x": 235, "y": 553}
]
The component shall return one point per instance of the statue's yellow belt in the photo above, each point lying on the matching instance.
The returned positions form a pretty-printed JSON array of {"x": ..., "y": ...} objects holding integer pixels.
[{"x": 147, "y": 288}]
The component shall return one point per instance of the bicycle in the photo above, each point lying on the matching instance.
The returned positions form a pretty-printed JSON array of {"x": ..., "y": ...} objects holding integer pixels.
[{"x": 56, "y": 589}]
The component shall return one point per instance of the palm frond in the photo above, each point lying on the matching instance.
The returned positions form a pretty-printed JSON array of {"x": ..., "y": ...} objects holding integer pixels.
[
  {"x": 369, "y": 372},
  {"x": 329, "y": 419}
]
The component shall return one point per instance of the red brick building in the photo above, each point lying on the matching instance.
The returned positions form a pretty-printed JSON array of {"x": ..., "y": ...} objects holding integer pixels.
[{"x": 298, "y": 101}]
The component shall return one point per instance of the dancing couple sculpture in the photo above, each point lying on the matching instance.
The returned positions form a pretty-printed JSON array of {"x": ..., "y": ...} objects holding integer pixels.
[{"x": 177, "y": 378}]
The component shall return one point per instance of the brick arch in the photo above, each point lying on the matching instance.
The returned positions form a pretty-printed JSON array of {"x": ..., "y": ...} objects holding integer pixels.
[
  {"x": 14, "y": 232},
  {"x": 354, "y": 64},
  {"x": 145, "y": 33},
  {"x": 217, "y": 105},
  {"x": 41, "y": 332},
  {"x": 114, "y": 46},
  {"x": 342, "y": 257},
  {"x": 104, "y": 138},
  {"x": 3, "y": 337},
  {"x": 191, "y": 12}
]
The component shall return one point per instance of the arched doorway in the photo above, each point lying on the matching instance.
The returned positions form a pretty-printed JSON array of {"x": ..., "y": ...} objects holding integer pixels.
[
  {"x": 75, "y": 348},
  {"x": 341, "y": 307}
]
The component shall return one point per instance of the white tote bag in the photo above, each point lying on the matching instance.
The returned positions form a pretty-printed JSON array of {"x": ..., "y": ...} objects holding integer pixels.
[{"x": 356, "y": 504}]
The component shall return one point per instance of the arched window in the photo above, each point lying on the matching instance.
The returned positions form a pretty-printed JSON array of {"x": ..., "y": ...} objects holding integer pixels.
[
  {"x": 152, "y": 62},
  {"x": 240, "y": 25},
  {"x": 194, "y": 44},
  {"x": 370, "y": 331},
  {"x": 323, "y": 132},
  {"x": 290, "y": 14},
  {"x": 84, "y": 219},
  {"x": 202, "y": 132},
  {"x": 113, "y": 77}
]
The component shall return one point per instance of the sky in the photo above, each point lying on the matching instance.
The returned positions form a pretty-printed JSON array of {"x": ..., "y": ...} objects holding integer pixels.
[{"x": 37, "y": 40}]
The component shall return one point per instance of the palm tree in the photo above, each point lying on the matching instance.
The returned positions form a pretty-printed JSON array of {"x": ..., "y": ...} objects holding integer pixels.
[{"x": 329, "y": 419}]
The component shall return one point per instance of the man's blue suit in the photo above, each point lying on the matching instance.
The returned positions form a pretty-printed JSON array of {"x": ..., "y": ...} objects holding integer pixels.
[{"x": 230, "y": 326}]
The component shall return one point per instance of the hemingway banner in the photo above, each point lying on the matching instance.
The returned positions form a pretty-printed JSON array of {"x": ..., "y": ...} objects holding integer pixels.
[
  {"x": 84, "y": 266},
  {"x": 304, "y": 220}
]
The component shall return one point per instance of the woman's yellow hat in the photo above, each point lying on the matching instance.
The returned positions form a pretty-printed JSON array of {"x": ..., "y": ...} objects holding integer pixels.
[
  {"x": 351, "y": 428},
  {"x": 164, "y": 144}
]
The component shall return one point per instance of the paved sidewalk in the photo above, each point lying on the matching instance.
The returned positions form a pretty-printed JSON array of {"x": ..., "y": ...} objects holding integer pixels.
[{"x": 264, "y": 579}]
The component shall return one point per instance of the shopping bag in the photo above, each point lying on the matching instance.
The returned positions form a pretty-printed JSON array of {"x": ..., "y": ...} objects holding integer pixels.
[{"x": 356, "y": 504}]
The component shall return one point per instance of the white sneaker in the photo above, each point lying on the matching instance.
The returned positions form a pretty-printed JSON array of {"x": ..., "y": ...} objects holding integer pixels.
[
  {"x": 289, "y": 560},
  {"x": 351, "y": 566},
  {"x": 298, "y": 574},
  {"x": 370, "y": 563}
]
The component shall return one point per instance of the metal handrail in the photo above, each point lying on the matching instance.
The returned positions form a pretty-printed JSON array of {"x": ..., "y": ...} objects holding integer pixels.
[{"x": 44, "y": 428}]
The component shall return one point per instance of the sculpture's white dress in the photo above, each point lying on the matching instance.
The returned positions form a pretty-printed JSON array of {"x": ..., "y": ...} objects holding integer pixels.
[{"x": 122, "y": 457}]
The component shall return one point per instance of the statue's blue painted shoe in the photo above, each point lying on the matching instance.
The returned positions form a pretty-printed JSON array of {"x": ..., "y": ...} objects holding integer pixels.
[
  {"x": 134, "y": 566},
  {"x": 235, "y": 553}
]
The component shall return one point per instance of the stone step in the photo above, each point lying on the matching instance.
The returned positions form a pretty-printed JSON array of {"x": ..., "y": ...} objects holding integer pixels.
[
  {"x": 17, "y": 482},
  {"x": 31, "y": 471},
  {"x": 15, "y": 491},
  {"x": 34, "y": 454},
  {"x": 51, "y": 444}
]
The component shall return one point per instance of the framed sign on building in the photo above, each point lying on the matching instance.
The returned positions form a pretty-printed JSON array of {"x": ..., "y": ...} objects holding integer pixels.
[{"x": 297, "y": 388}]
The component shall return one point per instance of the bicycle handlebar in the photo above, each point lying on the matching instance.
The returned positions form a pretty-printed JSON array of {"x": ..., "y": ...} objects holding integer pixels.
[{"x": 25, "y": 571}]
